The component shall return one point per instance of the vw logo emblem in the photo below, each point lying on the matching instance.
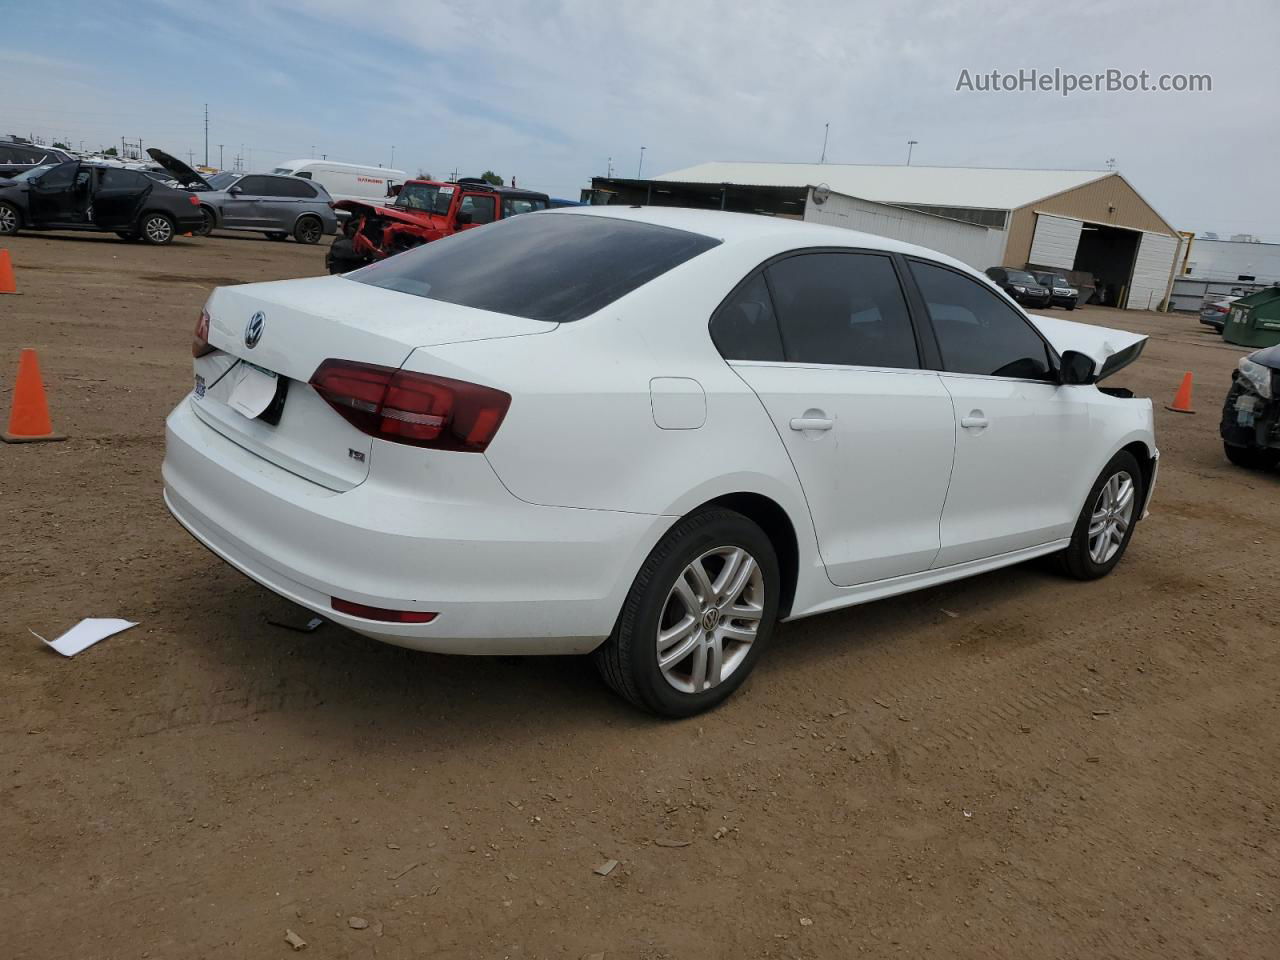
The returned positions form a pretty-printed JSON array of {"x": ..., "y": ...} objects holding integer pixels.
[{"x": 253, "y": 329}]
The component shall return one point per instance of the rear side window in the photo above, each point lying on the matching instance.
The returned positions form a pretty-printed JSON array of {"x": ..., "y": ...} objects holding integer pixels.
[
  {"x": 745, "y": 328},
  {"x": 113, "y": 178},
  {"x": 285, "y": 187},
  {"x": 546, "y": 266},
  {"x": 842, "y": 308},
  {"x": 480, "y": 208},
  {"x": 977, "y": 331},
  {"x": 513, "y": 205},
  {"x": 304, "y": 174}
]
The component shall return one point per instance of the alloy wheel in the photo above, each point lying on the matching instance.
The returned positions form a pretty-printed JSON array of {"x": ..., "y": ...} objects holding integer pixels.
[
  {"x": 158, "y": 230},
  {"x": 8, "y": 220},
  {"x": 1112, "y": 515},
  {"x": 309, "y": 231},
  {"x": 710, "y": 619}
]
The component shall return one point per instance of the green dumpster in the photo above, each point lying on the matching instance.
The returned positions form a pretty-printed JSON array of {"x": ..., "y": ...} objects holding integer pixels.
[{"x": 1254, "y": 321}]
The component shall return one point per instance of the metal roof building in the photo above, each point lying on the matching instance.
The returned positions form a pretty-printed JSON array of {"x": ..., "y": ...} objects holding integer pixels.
[{"x": 1091, "y": 222}]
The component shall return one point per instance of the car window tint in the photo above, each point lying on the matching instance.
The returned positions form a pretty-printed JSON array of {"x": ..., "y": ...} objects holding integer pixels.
[
  {"x": 304, "y": 174},
  {"x": 977, "y": 331},
  {"x": 289, "y": 187},
  {"x": 256, "y": 186},
  {"x": 745, "y": 328},
  {"x": 59, "y": 176},
  {"x": 513, "y": 205},
  {"x": 480, "y": 208},
  {"x": 114, "y": 178},
  {"x": 842, "y": 308},
  {"x": 543, "y": 266}
]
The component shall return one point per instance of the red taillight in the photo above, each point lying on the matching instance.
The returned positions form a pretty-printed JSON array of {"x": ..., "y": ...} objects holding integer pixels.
[
  {"x": 195, "y": 201},
  {"x": 414, "y": 408},
  {"x": 200, "y": 341},
  {"x": 380, "y": 613},
  {"x": 1222, "y": 309}
]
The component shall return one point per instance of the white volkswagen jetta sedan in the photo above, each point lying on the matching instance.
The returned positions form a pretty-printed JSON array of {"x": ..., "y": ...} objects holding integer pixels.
[{"x": 646, "y": 433}]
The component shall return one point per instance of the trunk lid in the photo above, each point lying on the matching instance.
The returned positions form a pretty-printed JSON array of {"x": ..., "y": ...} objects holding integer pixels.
[
  {"x": 1109, "y": 349},
  {"x": 295, "y": 325}
]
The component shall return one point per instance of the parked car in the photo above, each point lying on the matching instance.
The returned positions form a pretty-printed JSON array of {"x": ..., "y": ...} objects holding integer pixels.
[
  {"x": 1214, "y": 312},
  {"x": 277, "y": 206},
  {"x": 648, "y": 434},
  {"x": 1022, "y": 286},
  {"x": 346, "y": 181},
  {"x": 17, "y": 157},
  {"x": 1251, "y": 413},
  {"x": 424, "y": 210},
  {"x": 1062, "y": 293},
  {"x": 85, "y": 196}
]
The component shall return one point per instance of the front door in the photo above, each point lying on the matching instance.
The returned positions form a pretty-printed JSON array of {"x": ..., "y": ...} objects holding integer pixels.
[
  {"x": 243, "y": 209},
  {"x": 52, "y": 197},
  {"x": 826, "y": 342},
  {"x": 1022, "y": 450}
]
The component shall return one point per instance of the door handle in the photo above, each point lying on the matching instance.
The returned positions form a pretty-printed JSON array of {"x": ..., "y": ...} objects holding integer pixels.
[
  {"x": 812, "y": 423},
  {"x": 975, "y": 421}
]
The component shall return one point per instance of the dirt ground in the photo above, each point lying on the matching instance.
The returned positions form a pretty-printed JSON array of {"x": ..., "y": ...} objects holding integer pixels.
[{"x": 1016, "y": 766}]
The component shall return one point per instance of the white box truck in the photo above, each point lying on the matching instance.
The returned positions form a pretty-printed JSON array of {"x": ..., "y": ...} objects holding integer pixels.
[{"x": 346, "y": 181}]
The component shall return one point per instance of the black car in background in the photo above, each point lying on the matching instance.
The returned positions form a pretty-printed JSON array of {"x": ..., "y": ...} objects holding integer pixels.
[
  {"x": 1022, "y": 286},
  {"x": 1063, "y": 294},
  {"x": 16, "y": 157},
  {"x": 95, "y": 196},
  {"x": 1250, "y": 425}
]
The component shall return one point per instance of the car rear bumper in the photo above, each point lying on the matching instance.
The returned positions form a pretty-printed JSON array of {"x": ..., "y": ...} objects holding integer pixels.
[{"x": 502, "y": 575}]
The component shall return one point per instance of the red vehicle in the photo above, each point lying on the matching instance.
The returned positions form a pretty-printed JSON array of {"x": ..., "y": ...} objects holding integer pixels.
[{"x": 423, "y": 211}]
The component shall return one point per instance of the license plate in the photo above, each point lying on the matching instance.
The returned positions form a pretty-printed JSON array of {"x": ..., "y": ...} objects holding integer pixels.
[{"x": 252, "y": 390}]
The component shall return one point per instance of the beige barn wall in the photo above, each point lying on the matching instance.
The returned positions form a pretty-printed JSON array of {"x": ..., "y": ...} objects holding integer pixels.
[{"x": 1090, "y": 202}]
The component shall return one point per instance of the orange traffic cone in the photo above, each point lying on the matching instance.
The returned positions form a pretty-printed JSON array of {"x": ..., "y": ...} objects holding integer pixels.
[
  {"x": 29, "y": 421},
  {"x": 1182, "y": 401},
  {"x": 7, "y": 284}
]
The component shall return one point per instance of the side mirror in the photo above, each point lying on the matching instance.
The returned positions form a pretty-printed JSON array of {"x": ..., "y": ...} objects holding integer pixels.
[
  {"x": 464, "y": 218},
  {"x": 234, "y": 191},
  {"x": 1077, "y": 368}
]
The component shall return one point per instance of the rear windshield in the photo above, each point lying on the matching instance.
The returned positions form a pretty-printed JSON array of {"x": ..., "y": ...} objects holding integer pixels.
[{"x": 542, "y": 266}]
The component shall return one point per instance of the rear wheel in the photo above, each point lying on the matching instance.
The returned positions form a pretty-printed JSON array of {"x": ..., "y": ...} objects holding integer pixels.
[
  {"x": 341, "y": 257},
  {"x": 1251, "y": 458},
  {"x": 10, "y": 219},
  {"x": 207, "y": 222},
  {"x": 277, "y": 235},
  {"x": 699, "y": 615},
  {"x": 1105, "y": 525},
  {"x": 157, "y": 228},
  {"x": 308, "y": 230}
]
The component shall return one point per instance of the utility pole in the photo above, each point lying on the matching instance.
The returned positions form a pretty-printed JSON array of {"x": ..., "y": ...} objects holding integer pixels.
[
  {"x": 609, "y": 168},
  {"x": 641, "y": 167},
  {"x": 393, "y": 155},
  {"x": 826, "y": 129},
  {"x": 910, "y": 145},
  {"x": 220, "y": 167},
  {"x": 206, "y": 134},
  {"x": 190, "y": 160}
]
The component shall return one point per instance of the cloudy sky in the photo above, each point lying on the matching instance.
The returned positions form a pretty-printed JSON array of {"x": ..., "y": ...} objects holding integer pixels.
[{"x": 548, "y": 92}]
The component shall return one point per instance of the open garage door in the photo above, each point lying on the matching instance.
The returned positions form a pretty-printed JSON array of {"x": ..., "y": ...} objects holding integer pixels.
[
  {"x": 1151, "y": 268},
  {"x": 1055, "y": 242}
]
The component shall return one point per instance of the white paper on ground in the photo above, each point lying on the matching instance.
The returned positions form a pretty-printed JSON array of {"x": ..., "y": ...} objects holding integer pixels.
[
  {"x": 253, "y": 392},
  {"x": 85, "y": 634}
]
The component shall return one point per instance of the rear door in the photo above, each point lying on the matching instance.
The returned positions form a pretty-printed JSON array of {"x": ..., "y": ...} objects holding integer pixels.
[
  {"x": 118, "y": 197},
  {"x": 1022, "y": 441},
  {"x": 282, "y": 201},
  {"x": 826, "y": 341}
]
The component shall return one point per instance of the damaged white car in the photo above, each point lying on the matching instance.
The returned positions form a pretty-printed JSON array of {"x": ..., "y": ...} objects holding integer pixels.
[{"x": 649, "y": 435}]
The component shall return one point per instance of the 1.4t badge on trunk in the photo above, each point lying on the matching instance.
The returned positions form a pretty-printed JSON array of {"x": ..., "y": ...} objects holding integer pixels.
[{"x": 253, "y": 329}]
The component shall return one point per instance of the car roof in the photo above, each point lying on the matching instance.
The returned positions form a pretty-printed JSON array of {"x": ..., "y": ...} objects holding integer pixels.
[{"x": 732, "y": 228}]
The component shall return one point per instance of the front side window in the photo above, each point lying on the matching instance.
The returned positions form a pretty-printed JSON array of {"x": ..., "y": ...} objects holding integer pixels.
[
  {"x": 59, "y": 176},
  {"x": 480, "y": 208},
  {"x": 556, "y": 267},
  {"x": 745, "y": 328},
  {"x": 842, "y": 308},
  {"x": 254, "y": 186},
  {"x": 977, "y": 331}
]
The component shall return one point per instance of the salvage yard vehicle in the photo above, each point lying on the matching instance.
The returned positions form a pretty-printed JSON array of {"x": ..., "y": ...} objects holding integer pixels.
[
  {"x": 424, "y": 210},
  {"x": 276, "y": 206},
  {"x": 18, "y": 157},
  {"x": 647, "y": 434},
  {"x": 1251, "y": 413},
  {"x": 85, "y": 196},
  {"x": 1213, "y": 313},
  {"x": 1062, "y": 293},
  {"x": 346, "y": 181},
  {"x": 1021, "y": 286}
]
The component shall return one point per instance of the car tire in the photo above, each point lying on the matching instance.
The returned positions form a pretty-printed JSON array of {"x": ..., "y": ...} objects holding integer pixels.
[
  {"x": 1251, "y": 458},
  {"x": 669, "y": 591},
  {"x": 207, "y": 222},
  {"x": 308, "y": 230},
  {"x": 157, "y": 229},
  {"x": 1113, "y": 507},
  {"x": 10, "y": 219},
  {"x": 1071, "y": 306},
  {"x": 276, "y": 235},
  {"x": 340, "y": 257}
]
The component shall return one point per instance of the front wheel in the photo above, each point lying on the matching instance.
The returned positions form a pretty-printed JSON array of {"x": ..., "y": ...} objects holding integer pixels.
[
  {"x": 308, "y": 230},
  {"x": 698, "y": 617},
  {"x": 207, "y": 222},
  {"x": 1105, "y": 525},
  {"x": 1251, "y": 458},
  {"x": 10, "y": 220},
  {"x": 157, "y": 228}
]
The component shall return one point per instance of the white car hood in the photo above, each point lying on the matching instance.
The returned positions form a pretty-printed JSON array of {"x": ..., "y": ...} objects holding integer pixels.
[{"x": 1110, "y": 349}]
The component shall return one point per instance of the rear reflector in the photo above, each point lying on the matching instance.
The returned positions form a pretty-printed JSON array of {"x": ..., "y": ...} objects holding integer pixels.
[
  {"x": 380, "y": 613},
  {"x": 414, "y": 408}
]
